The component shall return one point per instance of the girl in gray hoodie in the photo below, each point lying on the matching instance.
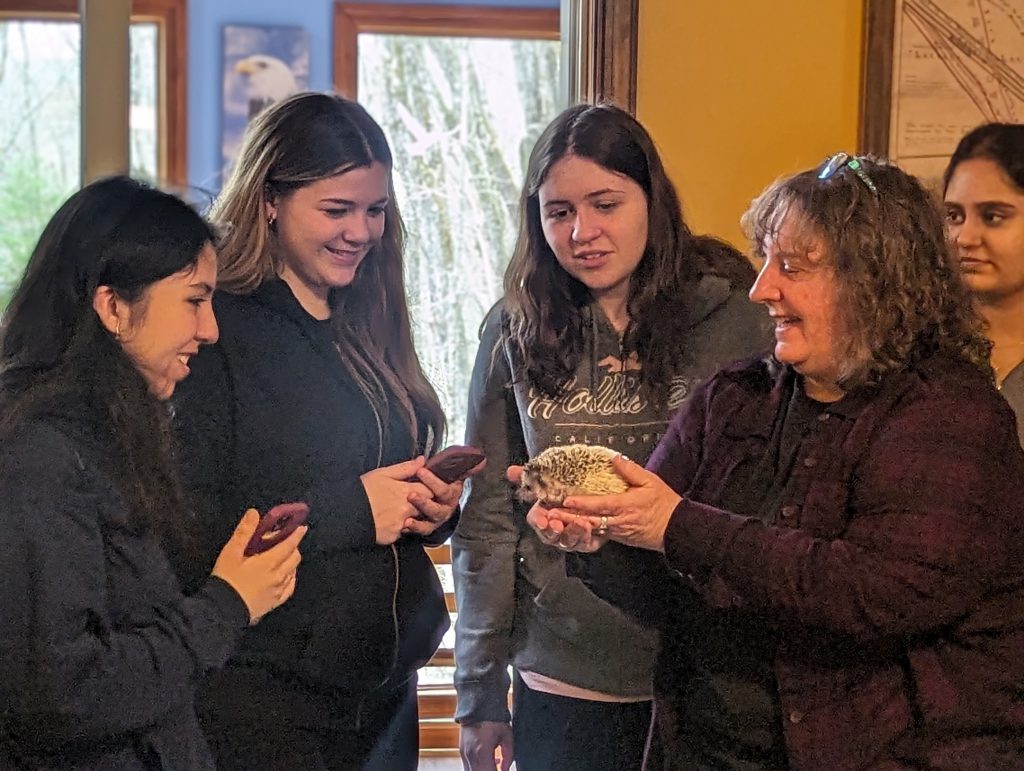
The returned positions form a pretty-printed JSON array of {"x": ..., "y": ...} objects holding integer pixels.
[{"x": 613, "y": 311}]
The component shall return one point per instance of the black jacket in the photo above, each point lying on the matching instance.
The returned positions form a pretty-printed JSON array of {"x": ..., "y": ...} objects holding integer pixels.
[
  {"x": 270, "y": 415},
  {"x": 99, "y": 650}
]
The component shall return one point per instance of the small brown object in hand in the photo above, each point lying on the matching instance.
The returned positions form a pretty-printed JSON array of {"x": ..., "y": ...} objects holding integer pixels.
[{"x": 572, "y": 469}]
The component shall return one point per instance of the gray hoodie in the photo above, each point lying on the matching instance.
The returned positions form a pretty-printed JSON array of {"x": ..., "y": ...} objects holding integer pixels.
[{"x": 517, "y": 605}]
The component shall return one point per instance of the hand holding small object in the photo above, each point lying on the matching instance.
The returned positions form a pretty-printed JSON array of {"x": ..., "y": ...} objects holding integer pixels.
[
  {"x": 637, "y": 517},
  {"x": 263, "y": 581},
  {"x": 559, "y": 527},
  {"x": 443, "y": 475},
  {"x": 389, "y": 490}
]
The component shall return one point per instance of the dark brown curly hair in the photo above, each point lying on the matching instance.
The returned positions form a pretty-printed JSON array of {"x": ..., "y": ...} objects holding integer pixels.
[
  {"x": 901, "y": 294},
  {"x": 546, "y": 306}
]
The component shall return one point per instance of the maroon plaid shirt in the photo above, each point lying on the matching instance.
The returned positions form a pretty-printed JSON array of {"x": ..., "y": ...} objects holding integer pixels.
[{"x": 894, "y": 567}]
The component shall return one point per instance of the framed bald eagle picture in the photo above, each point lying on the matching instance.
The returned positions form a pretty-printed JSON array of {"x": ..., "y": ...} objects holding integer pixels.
[{"x": 262, "y": 65}]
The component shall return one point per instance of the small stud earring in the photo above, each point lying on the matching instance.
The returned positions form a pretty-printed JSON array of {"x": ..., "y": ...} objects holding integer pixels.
[{"x": 272, "y": 222}]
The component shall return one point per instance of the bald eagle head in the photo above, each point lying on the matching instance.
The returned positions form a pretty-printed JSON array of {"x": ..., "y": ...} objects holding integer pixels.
[{"x": 268, "y": 80}]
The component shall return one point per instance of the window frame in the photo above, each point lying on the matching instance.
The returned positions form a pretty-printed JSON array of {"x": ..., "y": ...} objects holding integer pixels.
[
  {"x": 351, "y": 19},
  {"x": 172, "y": 112},
  {"x": 600, "y": 51},
  {"x": 439, "y": 734}
]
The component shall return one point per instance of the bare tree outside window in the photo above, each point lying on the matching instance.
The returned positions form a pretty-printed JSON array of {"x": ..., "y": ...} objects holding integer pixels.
[
  {"x": 40, "y": 132},
  {"x": 144, "y": 118},
  {"x": 462, "y": 115}
]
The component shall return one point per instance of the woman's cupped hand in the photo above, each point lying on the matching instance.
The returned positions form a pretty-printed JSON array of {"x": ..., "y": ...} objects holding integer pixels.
[{"x": 637, "y": 517}]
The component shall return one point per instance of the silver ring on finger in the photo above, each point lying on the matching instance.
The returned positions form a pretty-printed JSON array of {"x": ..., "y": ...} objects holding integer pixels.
[{"x": 603, "y": 527}]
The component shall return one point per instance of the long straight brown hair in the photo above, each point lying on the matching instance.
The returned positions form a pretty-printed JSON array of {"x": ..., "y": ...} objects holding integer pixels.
[
  {"x": 300, "y": 140},
  {"x": 545, "y": 304}
]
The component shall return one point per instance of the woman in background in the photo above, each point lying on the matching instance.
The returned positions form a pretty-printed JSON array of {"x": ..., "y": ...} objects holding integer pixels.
[
  {"x": 314, "y": 393},
  {"x": 613, "y": 312},
  {"x": 984, "y": 195},
  {"x": 100, "y": 652}
]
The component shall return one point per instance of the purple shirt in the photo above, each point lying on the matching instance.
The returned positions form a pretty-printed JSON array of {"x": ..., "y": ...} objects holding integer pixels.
[{"x": 894, "y": 569}]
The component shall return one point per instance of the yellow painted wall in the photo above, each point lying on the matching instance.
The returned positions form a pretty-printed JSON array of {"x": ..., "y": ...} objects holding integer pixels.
[{"x": 738, "y": 92}]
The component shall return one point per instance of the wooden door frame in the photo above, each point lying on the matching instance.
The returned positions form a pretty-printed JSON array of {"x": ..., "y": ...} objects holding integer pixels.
[{"x": 600, "y": 51}]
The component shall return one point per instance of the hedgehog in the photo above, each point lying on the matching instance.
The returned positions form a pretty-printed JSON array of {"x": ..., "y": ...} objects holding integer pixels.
[{"x": 572, "y": 469}]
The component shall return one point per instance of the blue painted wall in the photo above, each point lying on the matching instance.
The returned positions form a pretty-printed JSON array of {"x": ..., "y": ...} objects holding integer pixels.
[{"x": 206, "y": 19}]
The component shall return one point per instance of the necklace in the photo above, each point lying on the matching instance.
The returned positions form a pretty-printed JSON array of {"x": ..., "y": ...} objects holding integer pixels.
[
  {"x": 1001, "y": 363},
  {"x": 1004, "y": 371}
]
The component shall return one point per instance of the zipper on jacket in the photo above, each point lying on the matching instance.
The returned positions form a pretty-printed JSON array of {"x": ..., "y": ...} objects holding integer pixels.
[
  {"x": 394, "y": 613},
  {"x": 394, "y": 588}
]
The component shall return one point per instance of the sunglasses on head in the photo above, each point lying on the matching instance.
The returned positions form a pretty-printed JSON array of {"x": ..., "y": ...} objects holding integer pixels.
[{"x": 846, "y": 161}]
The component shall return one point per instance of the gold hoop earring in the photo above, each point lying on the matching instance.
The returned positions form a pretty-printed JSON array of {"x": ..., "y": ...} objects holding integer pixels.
[{"x": 272, "y": 222}]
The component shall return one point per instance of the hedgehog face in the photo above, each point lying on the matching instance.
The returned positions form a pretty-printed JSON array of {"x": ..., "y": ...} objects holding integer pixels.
[{"x": 540, "y": 485}]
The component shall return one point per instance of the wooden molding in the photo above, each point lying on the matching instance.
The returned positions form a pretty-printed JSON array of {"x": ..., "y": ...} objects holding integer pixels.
[
  {"x": 173, "y": 94},
  {"x": 440, "y": 555},
  {"x": 600, "y": 51},
  {"x": 350, "y": 19},
  {"x": 612, "y": 62},
  {"x": 876, "y": 76}
]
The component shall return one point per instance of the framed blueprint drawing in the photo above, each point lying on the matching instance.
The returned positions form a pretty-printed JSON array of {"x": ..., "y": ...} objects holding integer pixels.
[{"x": 933, "y": 70}]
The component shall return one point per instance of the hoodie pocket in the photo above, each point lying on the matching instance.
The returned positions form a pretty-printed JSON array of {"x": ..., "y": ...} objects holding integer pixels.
[{"x": 568, "y": 610}]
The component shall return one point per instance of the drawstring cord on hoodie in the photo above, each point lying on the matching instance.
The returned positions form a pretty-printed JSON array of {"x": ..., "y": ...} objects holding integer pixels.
[{"x": 623, "y": 397}]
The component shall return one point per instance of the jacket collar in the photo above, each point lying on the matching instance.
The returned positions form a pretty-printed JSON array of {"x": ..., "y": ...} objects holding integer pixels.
[
  {"x": 754, "y": 416},
  {"x": 703, "y": 297},
  {"x": 277, "y": 295}
]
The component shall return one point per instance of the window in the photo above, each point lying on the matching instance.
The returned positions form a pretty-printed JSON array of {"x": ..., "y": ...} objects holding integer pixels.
[
  {"x": 40, "y": 76},
  {"x": 462, "y": 95}
]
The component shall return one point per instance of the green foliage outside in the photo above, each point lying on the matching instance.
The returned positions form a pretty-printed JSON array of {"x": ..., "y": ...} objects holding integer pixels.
[
  {"x": 28, "y": 197},
  {"x": 39, "y": 128}
]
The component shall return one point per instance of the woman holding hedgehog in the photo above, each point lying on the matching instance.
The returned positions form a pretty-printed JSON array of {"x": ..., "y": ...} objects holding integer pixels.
[
  {"x": 613, "y": 312},
  {"x": 829, "y": 540}
]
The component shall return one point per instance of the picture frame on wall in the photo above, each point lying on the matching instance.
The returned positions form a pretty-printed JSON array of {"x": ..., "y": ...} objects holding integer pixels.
[
  {"x": 262, "y": 65},
  {"x": 935, "y": 69}
]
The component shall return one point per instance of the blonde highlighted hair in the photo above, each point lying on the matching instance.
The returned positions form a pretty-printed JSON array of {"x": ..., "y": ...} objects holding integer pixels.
[{"x": 297, "y": 141}]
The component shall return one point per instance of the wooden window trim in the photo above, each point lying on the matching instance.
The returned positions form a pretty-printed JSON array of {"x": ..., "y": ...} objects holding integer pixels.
[
  {"x": 612, "y": 62},
  {"x": 170, "y": 15},
  {"x": 439, "y": 734},
  {"x": 351, "y": 19},
  {"x": 876, "y": 76},
  {"x": 600, "y": 51}
]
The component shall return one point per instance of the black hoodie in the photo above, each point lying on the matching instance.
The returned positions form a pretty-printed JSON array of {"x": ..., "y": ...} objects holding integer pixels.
[{"x": 270, "y": 415}]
